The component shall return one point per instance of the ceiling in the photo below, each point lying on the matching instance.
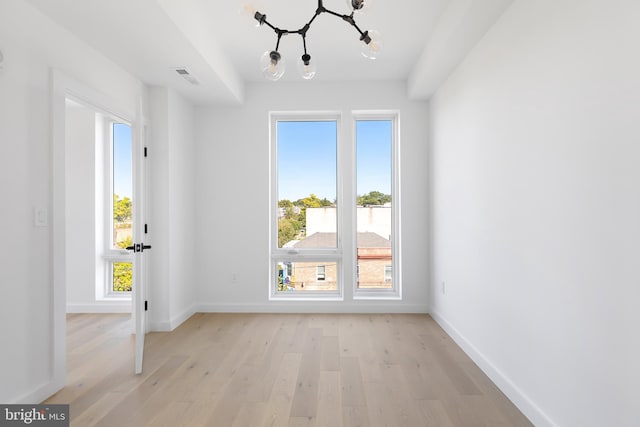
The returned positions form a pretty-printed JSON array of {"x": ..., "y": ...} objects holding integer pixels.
[{"x": 423, "y": 40}]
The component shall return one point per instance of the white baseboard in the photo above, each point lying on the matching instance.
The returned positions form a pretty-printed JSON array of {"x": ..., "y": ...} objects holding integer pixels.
[
  {"x": 515, "y": 394},
  {"x": 39, "y": 394},
  {"x": 174, "y": 322},
  {"x": 312, "y": 308},
  {"x": 101, "y": 307},
  {"x": 182, "y": 317}
]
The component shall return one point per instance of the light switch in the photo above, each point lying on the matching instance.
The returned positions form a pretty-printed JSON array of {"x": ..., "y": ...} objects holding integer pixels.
[{"x": 41, "y": 217}]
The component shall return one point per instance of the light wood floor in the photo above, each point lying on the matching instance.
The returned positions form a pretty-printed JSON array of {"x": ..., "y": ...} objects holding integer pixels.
[{"x": 278, "y": 370}]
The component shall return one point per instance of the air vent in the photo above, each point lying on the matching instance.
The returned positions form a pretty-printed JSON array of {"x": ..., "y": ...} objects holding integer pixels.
[{"x": 186, "y": 74}]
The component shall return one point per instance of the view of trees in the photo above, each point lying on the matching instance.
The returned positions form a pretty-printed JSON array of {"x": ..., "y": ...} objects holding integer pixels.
[
  {"x": 122, "y": 271},
  {"x": 122, "y": 276},
  {"x": 293, "y": 224},
  {"x": 374, "y": 198},
  {"x": 121, "y": 209}
]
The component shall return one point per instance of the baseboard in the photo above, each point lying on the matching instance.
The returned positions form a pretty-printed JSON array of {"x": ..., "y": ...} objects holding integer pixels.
[
  {"x": 39, "y": 394},
  {"x": 313, "y": 308},
  {"x": 100, "y": 307},
  {"x": 515, "y": 394},
  {"x": 174, "y": 322},
  {"x": 182, "y": 317}
]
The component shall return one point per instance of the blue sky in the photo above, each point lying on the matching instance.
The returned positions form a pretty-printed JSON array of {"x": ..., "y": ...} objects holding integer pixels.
[
  {"x": 307, "y": 158},
  {"x": 122, "y": 161}
]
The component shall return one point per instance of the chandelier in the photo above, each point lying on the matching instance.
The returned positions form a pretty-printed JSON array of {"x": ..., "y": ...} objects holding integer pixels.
[{"x": 273, "y": 65}]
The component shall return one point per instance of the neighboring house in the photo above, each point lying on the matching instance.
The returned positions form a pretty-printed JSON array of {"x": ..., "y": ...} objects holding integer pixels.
[
  {"x": 375, "y": 219},
  {"x": 374, "y": 264}
]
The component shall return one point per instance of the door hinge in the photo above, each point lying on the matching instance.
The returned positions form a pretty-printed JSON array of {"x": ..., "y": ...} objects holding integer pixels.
[
  {"x": 146, "y": 305},
  {"x": 146, "y": 229},
  {"x": 145, "y": 151}
]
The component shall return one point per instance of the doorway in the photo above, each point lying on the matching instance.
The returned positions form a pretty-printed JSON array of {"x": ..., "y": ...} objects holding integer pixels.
[{"x": 68, "y": 244}]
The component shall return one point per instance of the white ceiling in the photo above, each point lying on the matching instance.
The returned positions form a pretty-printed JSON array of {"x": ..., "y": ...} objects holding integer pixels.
[{"x": 423, "y": 40}]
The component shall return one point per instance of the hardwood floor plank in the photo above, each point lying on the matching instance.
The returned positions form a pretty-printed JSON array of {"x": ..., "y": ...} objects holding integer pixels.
[
  {"x": 279, "y": 404},
  {"x": 329, "y": 400},
  {"x": 305, "y": 399},
  {"x": 351, "y": 382}
]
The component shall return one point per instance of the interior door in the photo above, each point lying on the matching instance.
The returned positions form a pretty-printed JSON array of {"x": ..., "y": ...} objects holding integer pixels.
[{"x": 140, "y": 248}]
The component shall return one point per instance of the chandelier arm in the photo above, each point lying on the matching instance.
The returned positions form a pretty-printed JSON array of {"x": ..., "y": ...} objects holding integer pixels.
[
  {"x": 280, "y": 33},
  {"x": 264, "y": 21},
  {"x": 339, "y": 15},
  {"x": 362, "y": 33}
]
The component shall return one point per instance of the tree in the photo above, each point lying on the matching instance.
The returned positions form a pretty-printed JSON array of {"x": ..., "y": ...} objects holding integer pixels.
[
  {"x": 125, "y": 243},
  {"x": 284, "y": 203},
  {"x": 286, "y": 231},
  {"x": 121, "y": 209},
  {"x": 375, "y": 198},
  {"x": 312, "y": 202},
  {"x": 122, "y": 276}
]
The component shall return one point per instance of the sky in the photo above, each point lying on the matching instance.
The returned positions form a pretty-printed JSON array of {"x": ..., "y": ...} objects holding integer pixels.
[
  {"x": 307, "y": 158},
  {"x": 122, "y": 160}
]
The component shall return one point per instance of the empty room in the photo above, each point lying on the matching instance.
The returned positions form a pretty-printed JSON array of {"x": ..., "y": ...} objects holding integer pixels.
[{"x": 320, "y": 212}]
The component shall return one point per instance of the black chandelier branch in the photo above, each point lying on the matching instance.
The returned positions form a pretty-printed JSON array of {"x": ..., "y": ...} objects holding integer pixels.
[{"x": 273, "y": 67}]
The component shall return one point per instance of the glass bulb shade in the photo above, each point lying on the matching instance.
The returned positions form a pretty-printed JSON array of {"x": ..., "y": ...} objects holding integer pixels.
[
  {"x": 272, "y": 65},
  {"x": 307, "y": 71},
  {"x": 372, "y": 49},
  {"x": 359, "y": 6},
  {"x": 248, "y": 12}
]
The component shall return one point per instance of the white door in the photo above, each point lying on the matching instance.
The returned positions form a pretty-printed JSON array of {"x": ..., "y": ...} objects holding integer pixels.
[{"x": 140, "y": 247}]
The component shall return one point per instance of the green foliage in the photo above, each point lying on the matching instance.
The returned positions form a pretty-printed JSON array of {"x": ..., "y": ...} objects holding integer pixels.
[
  {"x": 122, "y": 276},
  {"x": 121, "y": 209},
  {"x": 375, "y": 198},
  {"x": 126, "y": 242},
  {"x": 288, "y": 229},
  {"x": 312, "y": 202},
  {"x": 284, "y": 203}
]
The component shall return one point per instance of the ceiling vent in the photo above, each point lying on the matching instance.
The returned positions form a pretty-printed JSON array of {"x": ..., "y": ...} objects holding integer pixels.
[{"x": 185, "y": 74}]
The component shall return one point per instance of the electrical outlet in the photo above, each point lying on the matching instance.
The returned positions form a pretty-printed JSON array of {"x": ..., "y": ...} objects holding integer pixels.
[{"x": 444, "y": 287}]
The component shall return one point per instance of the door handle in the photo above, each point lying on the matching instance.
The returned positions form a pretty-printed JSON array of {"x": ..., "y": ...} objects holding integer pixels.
[{"x": 138, "y": 247}]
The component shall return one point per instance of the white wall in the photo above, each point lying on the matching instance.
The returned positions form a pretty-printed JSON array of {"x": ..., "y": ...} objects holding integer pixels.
[
  {"x": 233, "y": 193},
  {"x": 536, "y": 209},
  {"x": 31, "y": 44},
  {"x": 172, "y": 215},
  {"x": 80, "y": 205}
]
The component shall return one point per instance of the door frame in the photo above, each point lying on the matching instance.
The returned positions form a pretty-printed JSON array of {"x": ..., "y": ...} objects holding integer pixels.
[{"x": 62, "y": 87}]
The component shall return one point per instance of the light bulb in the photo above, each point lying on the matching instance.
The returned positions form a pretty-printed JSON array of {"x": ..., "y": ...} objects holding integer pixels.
[
  {"x": 359, "y": 6},
  {"x": 272, "y": 65},
  {"x": 307, "y": 67},
  {"x": 249, "y": 12},
  {"x": 371, "y": 44}
]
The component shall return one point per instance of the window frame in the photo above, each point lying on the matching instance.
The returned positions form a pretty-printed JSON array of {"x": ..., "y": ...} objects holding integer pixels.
[
  {"x": 295, "y": 255},
  {"x": 111, "y": 256},
  {"x": 395, "y": 293}
]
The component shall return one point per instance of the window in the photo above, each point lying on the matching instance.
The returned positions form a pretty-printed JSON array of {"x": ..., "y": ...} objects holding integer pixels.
[
  {"x": 376, "y": 205},
  {"x": 388, "y": 276},
  {"x": 307, "y": 218},
  {"x": 320, "y": 270},
  {"x": 119, "y": 207},
  {"x": 305, "y": 248}
]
